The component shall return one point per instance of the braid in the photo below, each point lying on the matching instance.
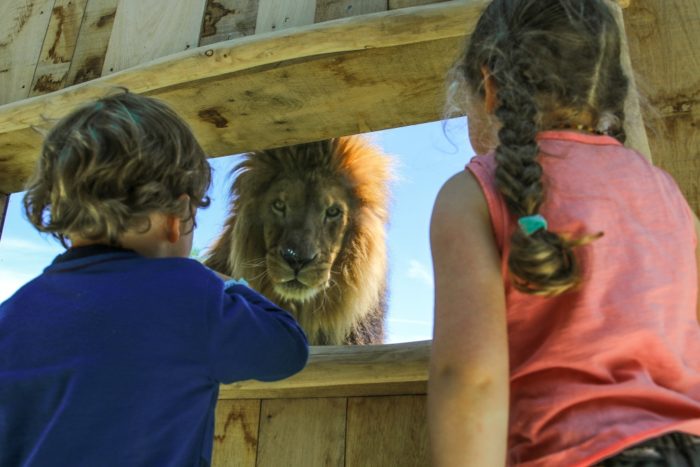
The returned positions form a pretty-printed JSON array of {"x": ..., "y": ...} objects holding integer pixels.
[
  {"x": 543, "y": 263},
  {"x": 554, "y": 63}
]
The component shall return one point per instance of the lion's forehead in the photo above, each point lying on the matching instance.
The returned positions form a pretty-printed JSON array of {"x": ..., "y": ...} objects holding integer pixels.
[{"x": 310, "y": 192}]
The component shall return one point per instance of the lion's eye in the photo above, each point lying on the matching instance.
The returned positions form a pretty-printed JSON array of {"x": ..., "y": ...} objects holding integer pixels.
[
  {"x": 333, "y": 212},
  {"x": 278, "y": 205}
]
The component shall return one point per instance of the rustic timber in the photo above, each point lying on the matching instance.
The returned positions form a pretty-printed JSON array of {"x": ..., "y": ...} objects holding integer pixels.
[
  {"x": 369, "y": 73},
  {"x": 394, "y": 4},
  {"x": 347, "y": 370},
  {"x": 387, "y": 431},
  {"x": 93, "y": 40},
  {"x": 59, "y": 46},
  {"x": 327, "y": 10},
  {"x": 302, "y": 432},
  {"x": 663, "y": 38},
  {"x": 175, "y": 23},
  {"x": 23, "y": 26},
  {"x": 236, "y": 433},
  {"x": 276, "y": 15},
  {"x": 228, "y": 19}
]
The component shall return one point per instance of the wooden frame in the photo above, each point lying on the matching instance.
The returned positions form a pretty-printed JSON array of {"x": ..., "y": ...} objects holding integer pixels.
[{"x": 341, "y": 77}]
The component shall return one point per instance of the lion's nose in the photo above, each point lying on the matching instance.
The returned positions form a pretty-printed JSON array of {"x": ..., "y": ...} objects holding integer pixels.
[{"x": 294, "y": 259}]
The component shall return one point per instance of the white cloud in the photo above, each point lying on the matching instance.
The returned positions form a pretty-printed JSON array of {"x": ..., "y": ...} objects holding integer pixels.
[
  {"x": 14, "y": 244},
  {"x": 421, "y": 272},
  {"x": 11, "y": 281}
]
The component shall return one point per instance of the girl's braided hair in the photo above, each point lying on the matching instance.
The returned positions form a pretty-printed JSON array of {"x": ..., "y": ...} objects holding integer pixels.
[{"x": 555, "y": 64}]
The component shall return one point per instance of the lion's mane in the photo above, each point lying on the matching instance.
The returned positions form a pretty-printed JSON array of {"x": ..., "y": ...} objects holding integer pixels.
[{"x": 351, "y": 309}]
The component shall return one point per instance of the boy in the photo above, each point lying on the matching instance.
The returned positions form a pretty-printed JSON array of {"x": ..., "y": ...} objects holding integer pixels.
[{"x": 114, "y": 355}]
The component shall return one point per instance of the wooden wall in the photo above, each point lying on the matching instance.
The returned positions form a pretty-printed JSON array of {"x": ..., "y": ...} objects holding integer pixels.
[{"x": 371, "y": 414}]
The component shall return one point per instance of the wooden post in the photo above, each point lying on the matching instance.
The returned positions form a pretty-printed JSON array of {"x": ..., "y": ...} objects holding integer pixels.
[{"x": 663, "y": 41}]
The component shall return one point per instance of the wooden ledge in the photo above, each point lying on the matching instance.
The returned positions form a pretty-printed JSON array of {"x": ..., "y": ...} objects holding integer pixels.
[
  {"x": 342, "y": 77},
  {"x": 335, "y": 371}
]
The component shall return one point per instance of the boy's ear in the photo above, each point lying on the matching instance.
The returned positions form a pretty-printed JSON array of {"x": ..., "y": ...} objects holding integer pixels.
[
  {"x": 174, "y": 222},
  {"x": 173, "y": 226}
]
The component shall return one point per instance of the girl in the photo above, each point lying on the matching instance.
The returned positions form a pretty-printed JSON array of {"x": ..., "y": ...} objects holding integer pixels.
[{"x": 566, "y": 323}]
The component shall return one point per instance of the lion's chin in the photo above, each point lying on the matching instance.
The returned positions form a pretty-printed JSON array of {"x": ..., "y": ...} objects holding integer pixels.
[{"x": 295, "y": 290}]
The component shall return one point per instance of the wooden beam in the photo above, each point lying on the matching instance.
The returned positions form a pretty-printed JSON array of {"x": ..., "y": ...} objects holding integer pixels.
[
  {"x": 347, "y": 371},
  {"x": 663, "y": 38},
  {"x": 302, "y": 84}
]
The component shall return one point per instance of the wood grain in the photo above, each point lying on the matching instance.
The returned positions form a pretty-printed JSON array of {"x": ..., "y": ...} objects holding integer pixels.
[
  {"x": 276, "y": 15},
  {"x": 228, "y": 19},
  {"x": 144, "y": 31},
  {"x": 342, "y": 368},
  {"x": 369, "y": 73},
  {"x": 59, "y": 46},
  {"x": 302, "y": 433},
  {"x": 387, "y": 432},
  {"x": 236, "y": 433},
  {"x": 23, "y": 25},
  {"x": 327, "y": 10},
  {"x": 395, "y": 4},
  {"x": 663, "y": 38},
  {"x": 93, "y": 40}
]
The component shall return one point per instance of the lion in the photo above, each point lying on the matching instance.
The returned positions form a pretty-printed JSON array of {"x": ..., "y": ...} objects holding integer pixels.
[{"x": 307, "y": 229}]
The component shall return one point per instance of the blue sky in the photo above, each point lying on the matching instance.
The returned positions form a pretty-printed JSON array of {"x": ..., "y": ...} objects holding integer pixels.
[{"x": 426, "y": 155}]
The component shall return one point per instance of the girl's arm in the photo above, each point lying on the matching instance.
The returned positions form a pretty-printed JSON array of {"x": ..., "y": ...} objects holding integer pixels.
[{"x": 469, "y": 378}]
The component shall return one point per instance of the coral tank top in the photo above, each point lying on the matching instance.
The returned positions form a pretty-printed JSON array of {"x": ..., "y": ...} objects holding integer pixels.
[{"x": 618, "y": 361}]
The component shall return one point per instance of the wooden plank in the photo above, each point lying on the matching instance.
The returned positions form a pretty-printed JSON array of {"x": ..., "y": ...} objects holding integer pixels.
[
  {"x": 664, "y": 37},
  {"x": 327, "y": 10},
  {"x": 236, "y": 433},
  {"x": 395, "y": 4},
  {"x": 93, "y": 39},
  {"x": 228, "y": 19},
  {"x": 331, "y": 367},
  {"x": 387, "y": 431},
  {"x": 369, "y": 73},
  {"x": 276, "y": 15},
  {"x": 4, "y": 203},
  {"x": 175, "y": 23},
  {"x": 59, "y": 46},
  {"x": 302, "y": 433},
  {"x": 23, "y": 25}
]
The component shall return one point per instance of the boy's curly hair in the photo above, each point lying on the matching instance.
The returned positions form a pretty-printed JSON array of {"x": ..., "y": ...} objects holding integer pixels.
[{"x": 109, "y": 164}]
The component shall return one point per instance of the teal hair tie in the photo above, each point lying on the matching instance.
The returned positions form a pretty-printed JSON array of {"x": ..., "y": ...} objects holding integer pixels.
[{"x": 531, "y": 224}]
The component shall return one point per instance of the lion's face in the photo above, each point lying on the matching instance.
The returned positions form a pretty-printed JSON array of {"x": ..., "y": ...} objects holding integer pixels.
[{"x": 304, "y": 224}]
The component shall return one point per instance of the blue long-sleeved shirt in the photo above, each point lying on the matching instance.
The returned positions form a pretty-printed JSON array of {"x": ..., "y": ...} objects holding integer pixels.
[{"x": 109, "y": 358}]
